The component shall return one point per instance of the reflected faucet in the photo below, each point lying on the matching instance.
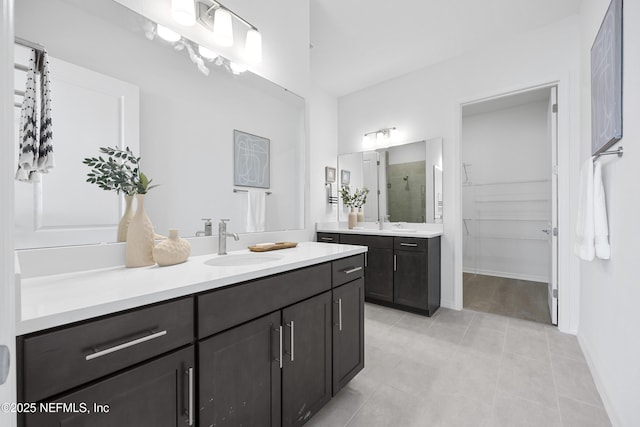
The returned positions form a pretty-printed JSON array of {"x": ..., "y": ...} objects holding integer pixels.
[
  {"x": 222, "y": 237},
  {"x": 207, "y": 228}
]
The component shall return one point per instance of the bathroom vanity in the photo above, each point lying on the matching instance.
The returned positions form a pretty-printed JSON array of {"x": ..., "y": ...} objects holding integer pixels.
[
  {"x": 241, "y": 339},
  {"x": 402, "y": 267}
]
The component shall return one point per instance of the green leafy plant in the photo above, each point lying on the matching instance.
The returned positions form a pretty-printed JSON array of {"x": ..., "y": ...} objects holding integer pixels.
[
  {"x": 119, "y": 172},
  {"x": 355, "y": 200}
]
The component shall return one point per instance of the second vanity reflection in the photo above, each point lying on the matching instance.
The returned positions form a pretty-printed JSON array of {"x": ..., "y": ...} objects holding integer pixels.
[{"x": 404, "y": 182}]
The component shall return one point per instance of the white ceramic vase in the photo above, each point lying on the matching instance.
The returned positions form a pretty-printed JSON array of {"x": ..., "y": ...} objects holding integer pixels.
[
  {"x": 353, "y": 218},
  {"x": 123, "y": 226},
  {"x": 360, "y": 215},
  {"x": 140, "y": 238},
  {"x": 173, "y": 250}
]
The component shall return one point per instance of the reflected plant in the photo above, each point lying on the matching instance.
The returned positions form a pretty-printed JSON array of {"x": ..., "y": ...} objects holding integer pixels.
[
  {"x": 119, "y": 172},
  {"x": 355, "y": 200}
]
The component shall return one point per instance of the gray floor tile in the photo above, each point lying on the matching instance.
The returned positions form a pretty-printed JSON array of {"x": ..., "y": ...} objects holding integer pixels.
[
  {"x": 490, "y": 321},
  {"x": 574, "y": 380},
  {"x": 563, "y": 345},
  {"x": 527, "y": 378},
  {"x": 454, "y": 318},
  {"x": 446, "y": 410},
  {"x": 578, "y": 414},
  {"x": 511, "y": 411},
  {"x": 488, "y": 342},
  {"x": 389, "y": 407},
  {"x": 527, "y": 342}
]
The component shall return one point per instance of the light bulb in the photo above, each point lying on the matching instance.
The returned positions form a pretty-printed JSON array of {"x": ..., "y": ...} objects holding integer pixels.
[
  {"x": 167, "y": 34},
  {"x": 183, "y": 12},
  {"x": 237, "y": 68},
  {"x": 222, "y": 28},
  {"x": 379, "y": 136},
  {"x": 207, "y": 53},
  {"x": 253, "y": 47}
]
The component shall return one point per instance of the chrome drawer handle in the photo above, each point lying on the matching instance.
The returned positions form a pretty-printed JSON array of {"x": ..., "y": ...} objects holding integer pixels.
[
  {"x": 352, "y": 270},
  {"x": 191, "y": 393},
  {"x": 291, "y": 325},
  {"x": 328, "y": 239},
  {"x": 125, "y": 345},
  {"x": 279, "y": 359},
  {"x": 339, "y": 302},
  {"x": 412, "y": 245}
]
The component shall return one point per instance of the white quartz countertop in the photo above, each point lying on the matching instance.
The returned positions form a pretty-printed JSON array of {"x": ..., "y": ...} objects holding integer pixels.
[
  {"x": 54, "y": 300},
  {"x": 425, "y": 230}
]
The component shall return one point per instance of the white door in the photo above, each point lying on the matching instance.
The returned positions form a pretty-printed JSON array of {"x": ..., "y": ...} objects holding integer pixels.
[
  {"x": 552, "y": 229},
  {"x": 7, "y": 321}
]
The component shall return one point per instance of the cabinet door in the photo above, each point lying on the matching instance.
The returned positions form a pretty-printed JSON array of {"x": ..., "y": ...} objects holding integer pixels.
[
  {"x": 240, "y": 375},
  {"x": 379, "y": 274},
  {"x": 156, "y": 394},
  {"x": 348, "y": 332},
  {"x": 306, "y": 376},
  {"x": 410, "y": 279}
]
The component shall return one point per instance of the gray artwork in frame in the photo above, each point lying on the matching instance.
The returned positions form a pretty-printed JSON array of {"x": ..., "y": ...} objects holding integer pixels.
[
  {"x": 606, "y": 81},
  {"x": 345, "y": 177},
  {"x": 250, "y": 160}
]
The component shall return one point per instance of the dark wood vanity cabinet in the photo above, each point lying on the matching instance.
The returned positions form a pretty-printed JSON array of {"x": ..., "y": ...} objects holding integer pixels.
[
  {"x": 268, "y": 352},
  {"x": 401, "y": 272}
]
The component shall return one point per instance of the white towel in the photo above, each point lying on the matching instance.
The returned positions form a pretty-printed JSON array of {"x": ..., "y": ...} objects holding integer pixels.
[
  {"x": 601, "y": 226},
  {"x": 592, "y": 233},
  {"x": 256, "y": 210}
]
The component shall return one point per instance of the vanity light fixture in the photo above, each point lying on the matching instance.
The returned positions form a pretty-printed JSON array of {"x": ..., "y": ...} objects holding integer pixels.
[
  {"x": 377, "y": 136},
  {"x": 183, "y": 12},
  {"x": 167, "y": 34},
  {"x": 218, "y": 19}
]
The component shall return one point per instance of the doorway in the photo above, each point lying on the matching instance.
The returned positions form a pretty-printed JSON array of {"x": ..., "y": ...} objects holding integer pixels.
[{"x": 509, "y": 205}]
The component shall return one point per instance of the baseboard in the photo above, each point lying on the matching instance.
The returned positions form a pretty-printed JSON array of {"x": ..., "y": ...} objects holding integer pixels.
[
  {"x": 606, "y": 399},
  {"x": 507, "y": 275},
  {"x": 448, "y": 304}
]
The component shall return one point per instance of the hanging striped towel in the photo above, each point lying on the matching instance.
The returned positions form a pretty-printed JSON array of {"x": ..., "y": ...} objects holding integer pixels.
[
  {"x": 28, "y": 151},
  {"x": 36, "y": 136}
]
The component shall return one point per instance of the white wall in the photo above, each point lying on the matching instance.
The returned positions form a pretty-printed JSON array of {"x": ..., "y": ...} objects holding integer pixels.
[
  {"x": 425, "y": 104},
  {"x": 609, "y": 290},
  {"x": 504, "y": 215},
  {"x": 186, "y": 119}
]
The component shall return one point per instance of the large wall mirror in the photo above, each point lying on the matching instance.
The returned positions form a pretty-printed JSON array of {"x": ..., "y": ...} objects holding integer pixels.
[
  {"x": 113, "y": 86},
  {"x": 404, "y": 181}
]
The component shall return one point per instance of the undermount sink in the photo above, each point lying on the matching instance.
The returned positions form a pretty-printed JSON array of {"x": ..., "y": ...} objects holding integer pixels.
[{"x": 235, "y": 260}]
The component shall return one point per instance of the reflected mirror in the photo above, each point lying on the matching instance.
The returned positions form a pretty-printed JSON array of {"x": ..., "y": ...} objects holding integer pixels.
[
  {"x": 404, "y": 181},
  {"x": 113, "y": 86}
]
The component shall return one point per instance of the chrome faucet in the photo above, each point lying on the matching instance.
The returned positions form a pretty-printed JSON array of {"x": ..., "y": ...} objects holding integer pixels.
[
  {"x": 207, "y": 228},
  {"x": 222, "y": 237}
]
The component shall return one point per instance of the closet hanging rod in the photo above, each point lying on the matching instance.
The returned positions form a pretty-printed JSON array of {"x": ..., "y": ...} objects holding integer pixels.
[
  {"x": 20, "y": 67},
  {"x": 619, "y": 152},
  {"x": 19, "y": 93},
  {"x": 27, "y": 43},
  {"x": 235, "y": 190}
]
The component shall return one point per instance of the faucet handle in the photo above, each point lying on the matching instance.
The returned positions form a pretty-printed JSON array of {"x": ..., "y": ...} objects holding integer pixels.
[
  {"x": 206, "y": 220},
  {"x": 224, "y": 220}
]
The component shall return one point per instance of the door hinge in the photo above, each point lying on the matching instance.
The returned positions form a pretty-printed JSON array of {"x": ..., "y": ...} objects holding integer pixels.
[
  {"x": 554, "y": 108},
  {"x": 555, "y": 293},
  {"x": 554, "y": 231},
  {"x": 378, "y": 162},
  {"x": 5, "y": 358}
]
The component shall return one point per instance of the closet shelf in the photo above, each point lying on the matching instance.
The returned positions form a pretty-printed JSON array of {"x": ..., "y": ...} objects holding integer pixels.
[{"x": 508, "y": 219}]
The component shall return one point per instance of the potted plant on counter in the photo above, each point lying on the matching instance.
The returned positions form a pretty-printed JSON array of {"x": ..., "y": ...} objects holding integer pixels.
[{"x": 354, "y": 201}]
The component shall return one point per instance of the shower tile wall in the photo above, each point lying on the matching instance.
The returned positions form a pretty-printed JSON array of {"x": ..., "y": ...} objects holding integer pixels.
[{"x": 406, "y": 185}]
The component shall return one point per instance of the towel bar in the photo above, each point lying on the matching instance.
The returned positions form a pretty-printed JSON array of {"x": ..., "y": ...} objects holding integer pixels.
[{"x": 619, "y": 152}]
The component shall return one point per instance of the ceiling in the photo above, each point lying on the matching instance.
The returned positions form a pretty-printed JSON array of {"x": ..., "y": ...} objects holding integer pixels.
[{"x": 359, "y": 43}]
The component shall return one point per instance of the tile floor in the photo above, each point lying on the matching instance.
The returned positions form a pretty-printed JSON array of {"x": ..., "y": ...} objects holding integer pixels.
[
  {"x": 510, "y": 297},
  {"x": 465, "y": 368}
]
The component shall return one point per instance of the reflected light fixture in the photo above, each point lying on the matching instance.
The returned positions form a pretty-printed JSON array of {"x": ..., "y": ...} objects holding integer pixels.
[
  {"x": 167, "y": 34},
  {"x": 183, "y": 12},
  {"x": 219, "y": 19},
  {"x": 207, "y": 53},
  {"x": 237, "y": 68}
]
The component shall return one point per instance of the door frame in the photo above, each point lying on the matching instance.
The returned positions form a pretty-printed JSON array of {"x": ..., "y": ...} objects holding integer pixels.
[
  {"x": 568, "y": 297},
  {"x": 7, "y": 257}
]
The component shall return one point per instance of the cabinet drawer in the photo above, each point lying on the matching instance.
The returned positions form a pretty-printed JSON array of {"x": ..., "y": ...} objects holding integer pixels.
[
  {"x": 228, "y": 307},
  {"x": 382, "y": 242},
  {"x": 347, "y": 269},
  {"x": 409, "y": 244},
  {"x": 328, "y": 237},
  {"x": 59, "y": 360}
]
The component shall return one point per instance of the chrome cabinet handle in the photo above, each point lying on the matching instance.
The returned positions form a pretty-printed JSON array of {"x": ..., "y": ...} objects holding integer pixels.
[
  {"x": 125, "y": 345},
  {"x": 395, "y": 262},
  {"x": 366, "y": 259},
  {"x": 290, "y": 325},
  {"x": 279, "y": 358},
  {"x": 191, "y": 400},
  {"x": 328, "y": 239},
  {"x": 352, "y": 270},
  {"x": 411, "y": 245},
  {"x": 340, "y": 314}
]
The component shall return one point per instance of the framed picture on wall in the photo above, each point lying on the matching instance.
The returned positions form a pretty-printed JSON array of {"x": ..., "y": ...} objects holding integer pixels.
[
  {"x": 345, "y": 177},
  {"x": 606, "y": 81},
  {"x": 329, "y": 174},
  {"x": 250, "y": 160}
]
